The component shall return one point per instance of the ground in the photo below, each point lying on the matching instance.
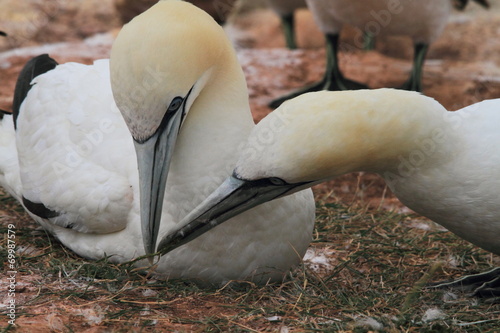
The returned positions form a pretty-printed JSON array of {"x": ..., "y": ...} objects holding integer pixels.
[{"x": 370, "y": 254}]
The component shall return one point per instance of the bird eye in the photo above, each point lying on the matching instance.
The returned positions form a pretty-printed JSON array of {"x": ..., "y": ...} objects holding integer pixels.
[
  {"x": 277, "y": 181},
  {"x": 175, "y": 104}
]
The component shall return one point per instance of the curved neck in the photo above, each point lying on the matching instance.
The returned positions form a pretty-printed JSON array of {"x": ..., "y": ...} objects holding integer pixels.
[
  {"x": 369, "y": 130},
  {"x": 218, "y": 122},
  {"x": 411, "y": 140}
]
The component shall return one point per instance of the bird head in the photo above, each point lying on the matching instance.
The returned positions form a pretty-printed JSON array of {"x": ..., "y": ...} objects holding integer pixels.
[{"x": 160, "y": 64}]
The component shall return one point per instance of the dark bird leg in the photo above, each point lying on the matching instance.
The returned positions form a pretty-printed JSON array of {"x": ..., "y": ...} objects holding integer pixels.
[
  {"x": 333, "y": 78},
  {"x": 288, "y": 25},
  {"x": 415, "y": 81}
]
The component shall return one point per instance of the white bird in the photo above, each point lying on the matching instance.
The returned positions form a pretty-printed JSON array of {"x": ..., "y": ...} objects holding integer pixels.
[
  {"x": 423, "y": 21},
  {"x": 285, "y": 9},
  {"x": 71, "y": 158},
  {"x": 443, "y": 165}
]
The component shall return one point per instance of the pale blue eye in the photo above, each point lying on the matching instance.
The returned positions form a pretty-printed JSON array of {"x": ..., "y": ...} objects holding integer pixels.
[{"x": 175, "y": 104}]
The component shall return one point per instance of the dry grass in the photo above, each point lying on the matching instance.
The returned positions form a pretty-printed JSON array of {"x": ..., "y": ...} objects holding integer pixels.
[{"x": 378, "y": 260}]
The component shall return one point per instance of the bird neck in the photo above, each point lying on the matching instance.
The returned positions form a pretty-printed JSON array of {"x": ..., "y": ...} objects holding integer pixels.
[
  {"x": 225, "y": 96},
  {"x": 218, "y": 122},
  {"x": 370, "y": 130},
  {"x": 221, "y": 111},
  {"x": 405, "y": 137}
]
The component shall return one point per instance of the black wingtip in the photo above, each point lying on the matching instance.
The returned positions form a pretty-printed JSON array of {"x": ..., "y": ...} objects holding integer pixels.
[
  {"x": 39, "y": 209},
  {"x": 3, "y": 33},
  {"x": 34, "y": 67}
]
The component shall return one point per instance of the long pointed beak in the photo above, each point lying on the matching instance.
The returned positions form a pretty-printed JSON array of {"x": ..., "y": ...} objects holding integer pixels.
[
  {"x": 153, "y": 159},
  {"x": 233, "y": 197}
]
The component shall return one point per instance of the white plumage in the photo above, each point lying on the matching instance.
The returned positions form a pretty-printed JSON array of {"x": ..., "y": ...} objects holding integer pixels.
[
  {"x": 423, "y": 21},
  {"x": 443, "y": 165},
  {"x": 73, "y": 153}
]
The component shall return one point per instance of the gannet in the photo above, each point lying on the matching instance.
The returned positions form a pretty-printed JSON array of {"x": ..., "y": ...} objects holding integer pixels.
[
  {"x": 423, "y": 21},
  {"x": 443, "y": 165},
  {"x": 285, "y": 9},
  {"x": 172, "y": 81}
]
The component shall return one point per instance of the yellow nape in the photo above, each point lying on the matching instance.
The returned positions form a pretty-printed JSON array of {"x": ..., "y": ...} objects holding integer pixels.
[{"x": 326, "y": 134}]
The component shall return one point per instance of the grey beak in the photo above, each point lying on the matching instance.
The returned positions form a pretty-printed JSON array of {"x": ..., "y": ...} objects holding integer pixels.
[
  {"x": 153, "y": 158},
  {"x": 233, "y": 197}
]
